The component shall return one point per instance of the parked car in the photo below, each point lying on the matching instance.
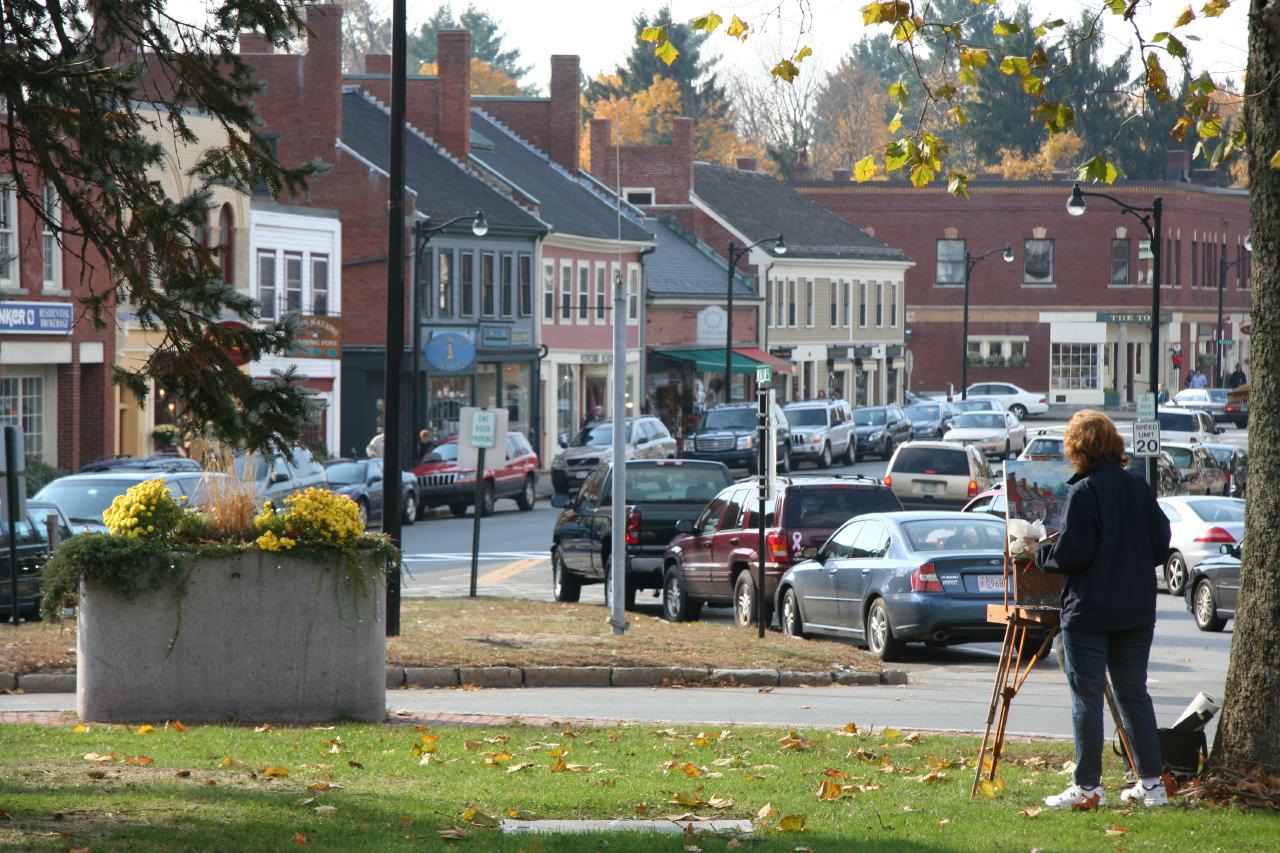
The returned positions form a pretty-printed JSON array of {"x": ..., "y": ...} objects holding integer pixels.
[
  {"x": 880, "y": 429},
  {"x": 31, "y": 536},
  {"x": 1213, "y": 588},
  {"x": 994, "y": 434},
  {"x": 727, "y": 434},
  {"x": 661, "y": 493},
  {"x": 821, "y": 430},
  {"x": 712, "y": 561},
  {"x": 361, "y": 480},
  {"x": 983, "y": 405},
  {"x": 1201, "y": 474},
  {"x": 1168, "y": 476},
  {"x": 937, "y": 474},
  {"x": 1198, "y": 526},
  {"x": 1017, "y": 400},
  {"x": 50, "y": 523},
  {"x": 1044, "y": 446},
  {"x": 893, "y": 578},
  {"x": 277, "y": 476},
  {"x": 442, "y": 482},
  {"x": 646, "y": 438},
  {"x": 1238, "y": 406},
  {"x": 992, "y": 502},
  {"x": 1234, "y": 464},
  {"x": 83, "y": 498},
  {"x": 1211, "y": 400},
  {"x": 159, "y": 462},
  {"x": 1186, "y": 426},
  {"x": 930, "y": 418}
]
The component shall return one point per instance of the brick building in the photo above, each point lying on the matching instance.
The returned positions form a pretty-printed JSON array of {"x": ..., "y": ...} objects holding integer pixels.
[{"x": 1072, "y": 313}]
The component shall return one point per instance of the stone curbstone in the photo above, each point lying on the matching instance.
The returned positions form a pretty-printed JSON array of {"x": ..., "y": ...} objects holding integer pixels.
[
  {"x": 642, "y": 676},
  {"x": 395, "y": 677},
  {"x": 747, "y": 677},
  {"x": 48, "y": 682},
  {"x": 798, "y": 679},
  {"x": 857, "y": 678},
  {"x": 893, "y": 676},
  {"x": 567, "y": 676},
  {"x": 692, "y": 673},
  {"x": 430, "y": 676},
  {"x": 491, "y": 676},
  {"x": 8, "y": 681}
]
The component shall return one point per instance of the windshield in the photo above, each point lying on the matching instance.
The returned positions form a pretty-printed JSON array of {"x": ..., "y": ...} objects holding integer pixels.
[
  {"x": 828, "y": 507},
  {"x": 868, "y": 417},
  {"x": 979, "y": 420},
  {"x": 85, "y": 500},
  {"x": 976, "y": 534},
  {"x": 1045, "y": 447},
  {"x": 923, "y": 413},
  {"x": 942, "y": 461},
  {"x": 1222, "y": 455},
  {"x": 729, "y": 419},
  {"x": 348, "y": 473},
  {"x": 252, "y": 466},
  {"x": 447, "y": 452},
  {"x": 1218, "y": 509},
  {"x": 974, "y": 405},
  {"x": 1181, "y": 455},
  {"x": 599, "y": 435},
  {"x": 1176, "y": 421},
  {"x": 1218, "y": 395},
  {"x": 806, "y": 417},
  {"x": 674, "y": 482}
]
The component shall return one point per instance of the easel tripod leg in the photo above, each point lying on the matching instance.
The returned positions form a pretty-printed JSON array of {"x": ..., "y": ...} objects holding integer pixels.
[
  {"x": 1121, "y": 731},
  {"x": 1001, "y": 670}
]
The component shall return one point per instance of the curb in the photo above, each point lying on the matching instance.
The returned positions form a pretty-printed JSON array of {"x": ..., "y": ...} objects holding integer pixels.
[{"x": 550, "y": 676}]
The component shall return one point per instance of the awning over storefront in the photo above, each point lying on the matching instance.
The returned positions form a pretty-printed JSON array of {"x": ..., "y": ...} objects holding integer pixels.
[{"x": 711, "y": 359}]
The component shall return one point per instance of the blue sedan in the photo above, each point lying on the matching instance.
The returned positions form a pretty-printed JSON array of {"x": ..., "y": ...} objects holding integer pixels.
[{"x": 887, "y": 579}]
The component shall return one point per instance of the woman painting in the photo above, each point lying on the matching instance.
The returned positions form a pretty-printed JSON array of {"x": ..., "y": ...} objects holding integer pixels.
[{"x": 1113, "y": 535}]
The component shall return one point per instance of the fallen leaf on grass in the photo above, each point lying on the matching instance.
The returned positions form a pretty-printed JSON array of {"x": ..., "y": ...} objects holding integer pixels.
[
  {"x": 176, "y": 725},
  {"x": 931, "y": 777},
  {"x": 140, "y": 760},
  {"x": 228, "y": 761},
  {"x": 81, "y": 728},
  {"x": 497, "y": 758},
  {"x": 1115, "y": 829},
  {"x": 766, "y": 811},
  {"x": 276, "y": 772},
  {"x": 323, "y": 810},
  {"x": 265, "y": 727},
  {"x": 830, "y": 790},
  {"x": 835, "y": 774},
  {"x": 1031, "y": 811},
  {"x": 691, "y": 770},
  {"x": 559, "y": 766},
  {"x": 795, "y": 742},
  {"x": 791, "y": 823},
  {"x": 986, "y": 789},
  {"x": 516, "y": 768},
  {"x": 1088, "y": 804},
  {"x": 472, "y": 745},
  {"x": 944, "y": 821},
  {"x": 734, "y": 843},
  {"x": 146, "y": 730},
  {"x": 299, "y": 839},
  {"x": 890, "y": 733},
  {"x": 914, "y": 737},
  {"x": 850, "y": 728},
  {"x": 97, "y": 774},
  {"x": 692, "y": 848},
  {"x": 101, "y": 759},
  {"x": 183, "y": 774},
  {"x": 453, "y": 833},
  {"x": 691, "y": 799},
  {"x": 478, "y": 818},
  {"x": 718, "y": 802},
  {"x": 642, "y": 808}
]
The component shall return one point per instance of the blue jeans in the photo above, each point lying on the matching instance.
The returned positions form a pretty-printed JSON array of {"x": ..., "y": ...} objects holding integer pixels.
[{"x": 1090, "y": 655}]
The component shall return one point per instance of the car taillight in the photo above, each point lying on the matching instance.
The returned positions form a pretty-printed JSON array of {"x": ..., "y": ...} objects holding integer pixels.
[
  {"x": 776, "y": 545},
  {"x": 925, "y": 579},
  {"x": 1044, "y": 399},
  {"x": 633, "y": 527},
  {"x": 973, "y": 488},
  {"x": 1216, "y": 534},
  {"x": 888, "y": 481}
]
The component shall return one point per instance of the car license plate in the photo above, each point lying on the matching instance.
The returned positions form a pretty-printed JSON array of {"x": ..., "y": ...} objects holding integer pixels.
[
  {"x": 581, "y": 475},
  {"x": 928, "y": 488},
  {"x": 990, "y": 583}
]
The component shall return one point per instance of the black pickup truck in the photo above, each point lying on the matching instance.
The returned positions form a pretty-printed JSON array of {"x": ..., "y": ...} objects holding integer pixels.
[{"x": 660, "y": 492}]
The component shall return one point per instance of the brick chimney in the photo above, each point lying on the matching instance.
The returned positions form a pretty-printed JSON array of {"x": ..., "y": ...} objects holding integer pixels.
[
  {"x": 377, "y": 63},
  {"x": 746, "y": 164},
  {"x": 1177, "y": 165},
  {"x": 600, "y": 151},
  {"x": 453, "y": 52},
  {"x": 322, "y": 73},
  {"x": 841, "y": 176},
  {"x": 254, "y": 43},
  {"x": 566, "y": 111},
  {"x": 801, "y": 172}
]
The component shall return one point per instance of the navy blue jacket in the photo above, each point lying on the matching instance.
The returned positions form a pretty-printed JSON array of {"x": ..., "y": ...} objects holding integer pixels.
[{"x": 1113, "y": 536}]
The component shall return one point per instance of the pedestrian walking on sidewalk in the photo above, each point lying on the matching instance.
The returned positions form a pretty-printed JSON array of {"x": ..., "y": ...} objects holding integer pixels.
[{"x": 1112, "y": 533}]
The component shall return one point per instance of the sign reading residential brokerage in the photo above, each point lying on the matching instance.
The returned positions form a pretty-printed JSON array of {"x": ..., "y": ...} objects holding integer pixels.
[{"x": 36, "y": 318}]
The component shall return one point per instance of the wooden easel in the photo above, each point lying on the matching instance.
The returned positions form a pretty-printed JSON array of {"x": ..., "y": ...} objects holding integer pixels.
[{"x": 1019, "y": 654}]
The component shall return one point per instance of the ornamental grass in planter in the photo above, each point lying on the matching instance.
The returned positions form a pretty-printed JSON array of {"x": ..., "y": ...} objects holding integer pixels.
[{"x": 219, "y": 614}]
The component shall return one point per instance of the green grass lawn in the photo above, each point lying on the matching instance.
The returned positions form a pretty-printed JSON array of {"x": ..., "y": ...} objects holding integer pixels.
[{"x": 367, "y": 788}]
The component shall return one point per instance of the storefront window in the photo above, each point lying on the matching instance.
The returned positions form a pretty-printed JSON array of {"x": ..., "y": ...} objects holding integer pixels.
[
  {"x": 1074, "y": 367},
  {"x": 446, "y": 395},
  {"x": 487, "y": 385},
  {"x": 950, "y": 266},
  {"x": 567, "y": 419},
  {"x": 516, "y": 390},
  {"x": 595, "y": 388},
  {"x": 22, "y": 405},
  {"x": 860, "y": 389},
  {"x": 891, "y": 385}
]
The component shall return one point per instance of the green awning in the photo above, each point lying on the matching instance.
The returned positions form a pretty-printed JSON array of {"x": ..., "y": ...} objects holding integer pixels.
[{"x": 710, "y": 359}]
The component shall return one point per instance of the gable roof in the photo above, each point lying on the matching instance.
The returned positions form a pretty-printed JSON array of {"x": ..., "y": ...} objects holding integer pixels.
[
  {"x": 444, "y": 188},
  {"x": 684, "y": 267},
  {"x": 570, "y": 204},
  {"x": 760, "y": 206}
]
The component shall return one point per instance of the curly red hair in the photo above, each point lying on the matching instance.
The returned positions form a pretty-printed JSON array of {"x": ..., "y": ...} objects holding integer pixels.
[{"x": 1091, "y": 438}]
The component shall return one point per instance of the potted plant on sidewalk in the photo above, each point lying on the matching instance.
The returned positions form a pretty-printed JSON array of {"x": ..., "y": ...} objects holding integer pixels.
[{"x": 224, "y": 614}]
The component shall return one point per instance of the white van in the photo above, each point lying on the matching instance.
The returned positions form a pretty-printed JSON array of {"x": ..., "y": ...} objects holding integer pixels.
[{"x": 1186, "y": 426}]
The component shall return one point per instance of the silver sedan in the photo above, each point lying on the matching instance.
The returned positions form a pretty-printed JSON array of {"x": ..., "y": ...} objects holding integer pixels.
[{"x": 1199, "y": 526}]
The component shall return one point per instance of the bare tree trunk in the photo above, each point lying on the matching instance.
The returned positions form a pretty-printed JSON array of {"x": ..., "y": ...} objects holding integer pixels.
[{"x": 1249, "y": 732}]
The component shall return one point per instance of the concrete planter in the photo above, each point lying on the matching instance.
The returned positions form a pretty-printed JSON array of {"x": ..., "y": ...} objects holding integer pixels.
[{"x": 254, "y": 637}]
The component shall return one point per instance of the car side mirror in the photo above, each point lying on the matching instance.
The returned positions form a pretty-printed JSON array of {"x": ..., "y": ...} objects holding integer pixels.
[
  {"x": 644, "y": 439},
  {"x": 1219, "y": 430},
  {"x": 560, "y": 500},
  {"x": 1227, "y": 549},
  {"x": 276, "y": 477},
  {"x": 376, "y": 478},
  {"x": 684, "y": 525}
]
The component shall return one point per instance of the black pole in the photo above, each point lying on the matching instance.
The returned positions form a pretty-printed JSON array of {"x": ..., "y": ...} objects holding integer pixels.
[
  {"x": 728, "y": 326},
  {"x": 1153, "y": 230},
  {"x": 475, "y": 523},
  {"x": 762, "y": 469},
  {"x": 969, "y": 261},
  {"x": 1217, "y": 335},
  {"x": 391, "y": 430},
  {"x": 420, "y": 308},
  {"x": 13, "y": 470}
]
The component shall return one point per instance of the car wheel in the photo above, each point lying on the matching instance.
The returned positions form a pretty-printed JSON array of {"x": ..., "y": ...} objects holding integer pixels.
[
  {"x": 792, "y": 624},
  {"x": 1008, "y": 450},
  {"x": 887, "y": 450},
  {"x": 564, "y": 586},
  {"x": 458, "y": 509},
  {"x": 1205, "y": 609},
  {"x": 824, "y": 461},
  {"x": 487, "y": 499},
  {"x": 528, "y": 495},
  {"x": 409, "y": 512},
  {"x": 676, "y": 606},
  {"x": 362, "y": 506},
  {"x": 628, "y": 594},
  {"x": 784, "y": 463},
  {"x": 744, "y": 601},
  {"x": 880, "y": 639},
  {"x": 1019, "y": 411},
  {"x": 850, "y": 452},
  {"x": 1175, "y": 573}
]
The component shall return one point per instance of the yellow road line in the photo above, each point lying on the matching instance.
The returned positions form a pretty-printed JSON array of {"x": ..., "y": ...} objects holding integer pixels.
[{"x": 510, "y": 570}]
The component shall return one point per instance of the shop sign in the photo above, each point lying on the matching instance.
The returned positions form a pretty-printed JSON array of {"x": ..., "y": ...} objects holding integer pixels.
[
  {"x": 450, "y": 352},
  {"x": 712, "y": 321},
  {"x": 521, "y": 337},
  {"x": 597, "y": 358},
  {"x": 318, "y": 337},
  {"x": 1136, "y": 317},
  {"x": 36, "y": 318},
  {"x": 495, "y": 337}
]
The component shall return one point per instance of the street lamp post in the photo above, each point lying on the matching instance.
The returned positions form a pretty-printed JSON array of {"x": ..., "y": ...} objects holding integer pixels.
[
  {"x": 1223, "y": 266},
  {"x": 779, "y": 248},
  {"x": 423, "y": 231},
  {"x": 971, "y": 261},
  {"x": 1150, "y": 219}
]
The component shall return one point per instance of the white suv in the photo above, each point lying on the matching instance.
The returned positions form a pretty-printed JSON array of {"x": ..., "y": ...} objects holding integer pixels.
[
  {"x": 1186, "y": 426},
  {"x": 1017, "y": 400}
]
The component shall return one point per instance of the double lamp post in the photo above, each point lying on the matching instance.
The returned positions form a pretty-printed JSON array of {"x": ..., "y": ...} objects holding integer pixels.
[
  {"x": 736, "y": 254},
  {"x": 971, "y": 261},
  {"x": 1223, "y": 266}
]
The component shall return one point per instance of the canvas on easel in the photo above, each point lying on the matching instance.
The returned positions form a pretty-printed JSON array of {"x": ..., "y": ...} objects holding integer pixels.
[{"x": 1037, "y": 491}]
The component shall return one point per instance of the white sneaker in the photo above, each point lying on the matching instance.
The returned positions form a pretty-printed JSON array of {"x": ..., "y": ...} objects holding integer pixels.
[
  {"x": 1141, "y": 794},
  {"x": 1075, "y": 796}
]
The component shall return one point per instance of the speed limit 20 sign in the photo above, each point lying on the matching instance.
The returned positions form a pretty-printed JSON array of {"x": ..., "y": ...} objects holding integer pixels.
[{"x": 1146, "y": 438}]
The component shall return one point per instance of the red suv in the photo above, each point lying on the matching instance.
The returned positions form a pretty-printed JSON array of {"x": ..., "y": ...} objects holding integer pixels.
[
  {"x": 709, "y": 562},
  {"x": 442, "y": 483}
]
